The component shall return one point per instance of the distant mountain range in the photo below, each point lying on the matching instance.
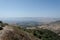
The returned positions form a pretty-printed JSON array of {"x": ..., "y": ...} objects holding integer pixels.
[
  {"x": 27, "y": 21},
  {"x": 37, "y": 19}
]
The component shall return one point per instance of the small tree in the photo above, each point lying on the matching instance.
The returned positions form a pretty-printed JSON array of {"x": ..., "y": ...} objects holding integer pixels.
[{"x": 1, "y": 24}]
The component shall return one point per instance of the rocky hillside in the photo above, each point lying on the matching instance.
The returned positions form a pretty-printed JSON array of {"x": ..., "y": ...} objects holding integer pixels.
[{"x": 13, "y": 33}]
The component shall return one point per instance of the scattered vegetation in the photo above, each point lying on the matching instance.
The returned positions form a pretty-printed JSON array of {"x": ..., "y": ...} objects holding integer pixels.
[{"x": 43, "y": 34}]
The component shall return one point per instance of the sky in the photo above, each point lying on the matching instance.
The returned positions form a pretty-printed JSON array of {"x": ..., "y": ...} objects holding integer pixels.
[{"x": 30, "y": 8}]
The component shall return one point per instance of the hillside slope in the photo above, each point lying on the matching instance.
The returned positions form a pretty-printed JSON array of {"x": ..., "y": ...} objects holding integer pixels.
[
  {"x": 12, "y": 33},
  {"x": 44, "y": 34},
  {"x": 54, "y": 26}
]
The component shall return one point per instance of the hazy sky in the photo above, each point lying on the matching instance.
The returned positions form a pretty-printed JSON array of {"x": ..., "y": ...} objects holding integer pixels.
[{"x": 29, "y": 8}]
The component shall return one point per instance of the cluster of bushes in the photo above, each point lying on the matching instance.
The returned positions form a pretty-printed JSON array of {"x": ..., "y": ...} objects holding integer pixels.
[{"x": 44, "y": 34}]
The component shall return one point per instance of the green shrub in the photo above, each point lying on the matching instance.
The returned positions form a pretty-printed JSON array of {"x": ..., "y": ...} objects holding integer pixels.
[{"x": 44, "y": 34}]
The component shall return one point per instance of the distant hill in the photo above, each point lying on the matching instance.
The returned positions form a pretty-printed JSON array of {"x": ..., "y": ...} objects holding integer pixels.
[
  {"x": 29, "y": 21},
  {"x": 54, "y": 26}
]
